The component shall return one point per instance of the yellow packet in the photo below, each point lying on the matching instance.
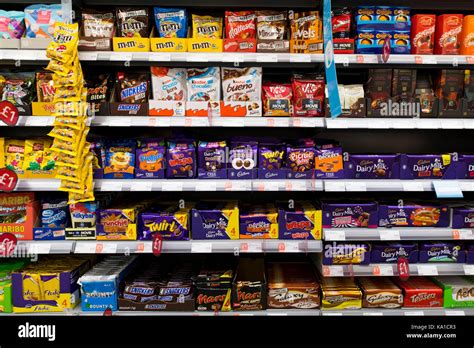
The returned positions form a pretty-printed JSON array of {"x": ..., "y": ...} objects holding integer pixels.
[
  {"x": 76, "y": 123},
  {"x": 35, "y": 153},
  {"x": 67, "y": 108},
  {"x": 64, "y": 160},
  {"x": 49, "y": 158},
  {"x": 64, "y": 44},
  {"x": 2, "y": 152},
  {"x": 88, "y": 194},
  {"x": 49, "y": 286},
  {"x": 71, "y": 186},
  {"x": 71, "y": 174},
  {"x": 63, "y": 69},
  {"x": 68, "y": 93},
  {"x": 73, "y": 78},
  {"x": 14, "y": 154},
  {"x": 66, "y": 134},
  {"x": 31, "y": 286},
  {"x": 207, "y": 27}
]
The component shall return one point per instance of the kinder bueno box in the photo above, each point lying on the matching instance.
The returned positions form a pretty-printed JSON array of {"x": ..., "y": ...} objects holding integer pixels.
[
  {"x": 242, "y": 163},
  {"x": 391, "y": 252},
  {"x": 215, "y": 220},
  {"x": 465, "y": 167},
  {"x": 171, "y": 222},
  {"x": 303, "y": 221},
  {"x": 372, "y": 166},
  {"x": 462, "y": 217},
  {"x": 448, "y": 34},
  {"x": 442, "y": 252},
  {"x": 420, "y": 292},
  {"x": 413, "y": 215},
  {"x": 212, "y": 160},
  {"x": 344, "y": 215},
  {"x": 346, "y": 253},
  {"x": 427, "y": 167},
  {"x": 258, "y": 222},
  {"x": 271, "y": 161},
  {"x": 423, "y": 33},
  {"x": 180, "y": 159}
]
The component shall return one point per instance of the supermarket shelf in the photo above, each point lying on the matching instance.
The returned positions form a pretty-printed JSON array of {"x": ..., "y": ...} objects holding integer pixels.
[
  {"x": 391, "y": 185},
  {"x": 428, "y": 269},
  {"x": 402, "y": 59},
  {"x": 214, "y": 4},
  {"x": 44, "y": 247},
  {"x": 401, "y": 312},
  {"x": 439, "y": 5},
  {"x": 402, "y": 233},
  {"x": 400, "y": 123}
]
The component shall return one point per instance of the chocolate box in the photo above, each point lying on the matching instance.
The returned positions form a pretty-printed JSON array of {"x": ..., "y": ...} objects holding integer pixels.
[
  {"x": 413, "y": 215},
  {"x": 448, "y": 34},
  {"x": 170, "y": 221},
  {"x": 462, "y": 217},
  {"x": 465, "y": 167},
  {"x": 372, "y": 166},
  {"x": 292, "y": 285},
  {"x": 420, "y": 292},
  {"x": 346, "y": 253},
  {"x": 19, "y": 213},
  {"x": 301, "y": 222},
  {"x": 350, "y": 215},
  {"x": 118, "y": 223},
  {"x": 423, "y": 33},
  {"x": 427, "y": 167},
  {"x": 391, "y": 252},
  {"x": 258, "y": 222},
  {"x": 380, "y": 293},
  {"x": 150, "y": 162},
  {"x": 180, "y": 160},
  {"x": 458, "y": 291},
  {"x": 329, "y": 163},
  {"x": 120, "y": 160},
  {"x": 214, "y": 289},
  {"x": 340, "y": 293},
  {"x": 271, "y": 161},
  {"x": 442, "y": 252},
  {"x": 249, "y": 288},
  {"x": 242, "y": 162},
  {"x": 212, "y": 160},
  {"x": 215, "y": 220}
]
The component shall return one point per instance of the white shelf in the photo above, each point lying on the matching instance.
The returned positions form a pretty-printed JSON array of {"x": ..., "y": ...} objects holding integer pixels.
[
  {"x": 391, "y": 185},
  {"x": 388, "y": 269},
  {"x": 401, "y": 312},
  {"x": 44, "y": 247},
  {"x": 394, "y": 233},
  {"x": 400, "y": 123},
  {"x": 453, "y": 60}
]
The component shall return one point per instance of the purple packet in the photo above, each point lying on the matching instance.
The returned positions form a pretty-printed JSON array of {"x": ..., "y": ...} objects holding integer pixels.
[
  {"x": 300, "y": 161},
  {"x": 242, "y": 160},
  {"x": 346, "y": 254},
  {"x": 181, "y": 159},
  {"x": 372, "y": 167},
  {"x": 344, "y": 215},
  {"x": 271, "y": 158},
  {"x": 442, "y": 252},
  {"x": 465, "y": 167},
  {"x": 470, "y": 254},
  {"x": 329, "y": 162},
  {"x": 427, "y": 166},
  {"x": 391, "y": 252},
  {"x": 301, "y": 222},
  {"x": 169, "y": 221},
  {"x": 215, "y": 220},
  {"x": 413, "y": 215},
  {"x": 150, "y": 159},
  {"x": 258, "y": 222},
  {"x": 212, "y": 160},
  {"x": 462, "y": 217}
]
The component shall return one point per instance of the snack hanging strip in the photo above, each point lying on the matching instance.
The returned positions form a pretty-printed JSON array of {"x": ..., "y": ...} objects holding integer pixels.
[{"x": 70, "y": 126}]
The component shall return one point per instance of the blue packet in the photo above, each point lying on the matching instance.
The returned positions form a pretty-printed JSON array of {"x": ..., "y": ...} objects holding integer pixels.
[
  {"x": 171, "y": 22},
  {"x": 12, "y": 24},
  {"x": 54, "y": 215},
  {"x": 40, "y": 19}
]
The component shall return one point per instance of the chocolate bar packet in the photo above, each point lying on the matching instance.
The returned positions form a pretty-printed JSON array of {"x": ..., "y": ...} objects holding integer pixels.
[
  {"x": 211, "y": 156},
  {"x": 181, "y": 159},
  {"x": 18, "y": 88},
  {"x": 171, "y": 22},
  {"x": 203, "y": 84},
  {"x": 271, "y": 156},
  {"x": 132, "y": 87},
  {"x": 97, "y": 23},
  {"x": 271, "y": 25},
  {"x": 240, "y": 25},
  {"x": 98, "y": 91},
  {"x": 341, "y": 23},
  {"x": 277, "y": 99},
  {"x": 132, "y": 22},
  {"x": 45, "y": 86}
]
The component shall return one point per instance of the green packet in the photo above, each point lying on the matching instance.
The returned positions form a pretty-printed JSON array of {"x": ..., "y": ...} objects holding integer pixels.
[{"x": 458, "y": 291}]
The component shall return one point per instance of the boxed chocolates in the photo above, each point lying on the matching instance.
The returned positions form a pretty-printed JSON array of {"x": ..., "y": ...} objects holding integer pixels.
[
  {"x": 328, "y": 162},
  {"x": 378, "y": 87},
  {"x": 242, "y": 162},
  {"x": 300, "y": 159},
  {"x": 214, "y": 287},
  {"x": 420, "y": 292},
  {"x": 449, "y": 91},
  {"x": 118, "y": 223},
  {"x": 249, "y": 288},
  {"x": 465, "y": 167},
  {"x": 120, "y": 160},
  {"x": 346, "y": 215},
  {"x": 427, "y": 166},
  {"x": 212, "y": 160},
  {"x": 150, "y": 159},
  {"x": 371, "y": 166},
  {"x": 258, "y": 222},
  {"x": 271, "y": 161},
  {"x": 292, "y": 285},
  {"x": 340, "y": 293},
  {"x": 403, "y": 84},
  {"x": 380, "y": 293},
  {"x": 168, "y": 220},
  {"x": 462, "y": 217},
  {"x": 215, "y": 220},
  {"x": 19, "y": 213},
  {"x": 423, "y": 33},
  {"x": 413, "y": 215},
  {"x": 303, "y": 221},
  {"x": 467, "y": 35},
  {"x": 391, "y": 252},
  {"x": 442, "y": 252},
  {"x": 458, "y": 292},
  {"x": 181, "y": 159},
  {"x": 346, "y": 253},
  {"x": 448, "y": 34}
]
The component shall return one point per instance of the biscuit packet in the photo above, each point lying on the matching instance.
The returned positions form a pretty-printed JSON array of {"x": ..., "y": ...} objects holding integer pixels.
[
  {"x": 207, "y": 27},
  {"x": 64, "y": 44}
]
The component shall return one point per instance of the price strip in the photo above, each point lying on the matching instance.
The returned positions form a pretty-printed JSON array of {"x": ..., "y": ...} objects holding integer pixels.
[
  {"x": 382, "y": 270},
  {"x": 463, "y": 234},
  {"x": 288, "y": 247},
  {"x": 268, "y": 186},
  {"x": 123, "y": 121},
  {"x": 377, "y": 123},
  {"x": 356, "y": 186},
  {"x": 410, "y": 186},
  {"x": 414, "y": 313},
  {"x": 300, "y": 58},
  {"x": 427, "y": 270},
  {"x": 40, "y": 121},
  {"x": 296, "y": 185},
  {"x": 334, "y": 186},
  {"x": 109, "y": 248},
  {"x": 454, "y": 313},
  {"x": 171, "y": 186},
  {"x": 238, "y": 185},
  {"x": 468, "y": 269},
  {"x": 470, "y": 59},
  {"x": 159, "y": 57},
  {"x": 451, "y": 124},
  {"x": 333, "y": 314},
  {"x": 251, "y": 247},
  {"x": 201, "y": 247},
  {"x": 333, "y": 271},
  {"x": 389, "y": 234},
  {"x": 334, "y": 235},
  {"x": 340, "y": 123},
  {"x": 141, "y": 186},
  {"x": 40, "y": 248},
  {"x": 122, "y": 57},
  {"x": 447, "y": 189},
  {"x": 143, "y": 247},
  {"x": 267, "y": 58},
  {"x": 370, "y": 314},
  {"x": 111, "y": 185},
  {"x": 85, "y": 248},
  {"x": 197, "y": 57},
  {"x": 233, "y": 121},
  {"x": 206, "y": 186}
]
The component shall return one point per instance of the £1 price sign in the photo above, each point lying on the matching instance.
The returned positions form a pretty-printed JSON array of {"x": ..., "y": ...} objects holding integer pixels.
[
  {"x": 157, "y": 244},
  {"x": 8, "y": 113},
  {"x": 403, "y": 268},
  {"x": 8, "y": 243},
  {"x": 8, "y": 180}
]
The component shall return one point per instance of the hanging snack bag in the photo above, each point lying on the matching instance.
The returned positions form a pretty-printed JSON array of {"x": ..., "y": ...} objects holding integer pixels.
[
  {"x": 171, "y": 22},
  {"x": 240, "y": 25},
  {"x": 132, "y": 22},
  {"x": 203, "y": 84},
  {"x": 168, "y": 83},
  {"x": 207, "y": 27}
]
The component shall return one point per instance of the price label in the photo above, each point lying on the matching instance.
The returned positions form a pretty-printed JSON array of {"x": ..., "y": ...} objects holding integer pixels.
[
  {"x": 333, "y": 314},
  {"x": 40, "y": 248},
  {"x": 334, "y": 186},
  {"x": 108, "y": 248},
  {"x": 338, "y": 123},
  {"x": 370, "y": 314},
  {"x": 234, "y": 121},
  {"x": 157, "y": 244},
  {"x": 418, "y": 60},
  {"x": 429, "y": 60},
  {"x": 333, "y": 271},
  {"x": 360, "y": 59},
  {"x": 300, "y": 58},
  {"x": 197, "y": 57},
  {"x": 356, "y": 186},
  {"x": 8, "y": 242},
  {"x": 389, "y": 234},
  {"x": 206, "y": 186},
  {"x": 470, "y": 59},
  {"x": 171, "y": 186},
  {"x": 123, "y": 121},
  {"x": 382, "y": 270},
  {"x": 270, "y": 122},
  {"x": 151, "y": 121},
  {"x": 267, "y": 58},
  {"x": 111, "y": 185},
  {"x": 468, "y": 269},
  {"x": 9, "y": 113},
  {"x": 251, "y": 247},
  {"x": 85, "y": 248},
  {"x": 35, "y": 121},
  {"x": 296, "y": 185},
  {"x": 142, "y": 186},
  {"x": 201, "y": 247},
  {"x": 427, "y": 270},
  {"x": 296, "y": 122},
  {"x": 454, "y": 313},
  {"x": 447, "y": 189},
  {"x": 452, "y": 124},
  {"x": 159, "y": 57},
  {"x": 379, "y": 124},
  {"x": 334, "y": 235},
  {"x": 413, "y": 186},
  {"x": 290, "y": 247},
  {"x": 414, "y": 313},
  {"x": 122, "y": 57}
]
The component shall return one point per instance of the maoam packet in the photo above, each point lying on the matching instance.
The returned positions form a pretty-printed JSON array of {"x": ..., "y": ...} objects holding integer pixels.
[
  {"x": 303, "y": 221},
  {"x": 168, "y": 220},
  {"x": 462, "y": 217},
  {"x": 345, "y": 215},
  {"x": 442, "y": 252},
  {"x": 372, "y": 166},
  {"x": 271, "y": 161},
  {"x": 428, "y": 166},
  {"x": 258, "y": 222},
  {"x": 212, "y": 160},
  {"x": 242, "y": 163},
  {"x": 465, "y": 167},
  {"x": 346, "y": 253},
  {"x": 391, "y": 252},
  {"x": 215, "y": 220},
  {"x": 413, "y": 215}
]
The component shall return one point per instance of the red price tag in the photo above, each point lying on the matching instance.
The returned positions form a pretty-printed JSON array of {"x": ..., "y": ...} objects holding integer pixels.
[
  {"x": 386, "y": 50},
  {"x": 403, "y": 269},
  {"x": 140, "y": 247},
  {"x": 360, "y": 59},
  {"x": 418, "y": 60},
  {"x": 281, "y": 247},
  {"x": 470, "y": 59},
  {"x": 157, "y": 244},
  {"x": 376, "y": 270},
  {"x": 326, "y": 271},
  {"x": 8, "y": 113},
  {"x": 7, "y": 244},
  {"x": 99, "y": 247},
  {"x": 108, "y": 312},
  {"x": 244, "y": 247},
  {"x": 8, "y": 180},
  {"x": 456, "y": 234}
]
